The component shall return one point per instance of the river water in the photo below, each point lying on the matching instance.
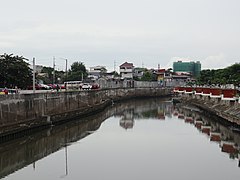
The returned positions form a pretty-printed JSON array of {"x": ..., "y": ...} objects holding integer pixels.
[{"x": 139, "y": 139}]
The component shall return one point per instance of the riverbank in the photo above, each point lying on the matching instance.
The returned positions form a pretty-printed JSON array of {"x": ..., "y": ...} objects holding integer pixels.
[
  {"x": 228, "y": 111},
  {"x": 20, "y": 113}
]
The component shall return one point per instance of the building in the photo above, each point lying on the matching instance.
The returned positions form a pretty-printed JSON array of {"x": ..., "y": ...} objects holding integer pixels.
[
  {"x": 194, "y": 68},
  {"x": 167, "y": 78},
  {"x": 181, "y": 79},
  {"x": 138, "y": 72},
  {"x": 127, "y": 121},
  {"x": 161, "y": 76},
  {"x": 126, "y": 70},
  {"x": 38, "y": 69},
  {"x": 96, "y": 72}
]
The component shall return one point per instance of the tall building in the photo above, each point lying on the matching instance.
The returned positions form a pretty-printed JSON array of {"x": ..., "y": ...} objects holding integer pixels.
[{"x": 194, "y": 68}]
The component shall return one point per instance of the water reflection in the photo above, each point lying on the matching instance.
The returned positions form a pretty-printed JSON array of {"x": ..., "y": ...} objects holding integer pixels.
[
  {"x": 144, "y": 110},
  {"x": 228, "y": 140},
  {"x": 22, "y": 152},
  {"x": 17, "y": 154}
]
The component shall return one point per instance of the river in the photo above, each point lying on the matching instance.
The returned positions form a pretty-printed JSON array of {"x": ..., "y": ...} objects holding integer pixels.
[{"x": 138, "y": 139}]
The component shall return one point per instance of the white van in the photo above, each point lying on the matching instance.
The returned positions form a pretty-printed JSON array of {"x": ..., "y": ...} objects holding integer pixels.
[{"x": 73, "y": 85}]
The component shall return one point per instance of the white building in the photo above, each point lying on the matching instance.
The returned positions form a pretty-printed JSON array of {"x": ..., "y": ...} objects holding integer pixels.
[
  {"x": 96, "y": 71},
  {"x": 126, "y": 70}
]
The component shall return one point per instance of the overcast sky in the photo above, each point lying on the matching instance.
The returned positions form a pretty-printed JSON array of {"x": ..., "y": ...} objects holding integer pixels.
[{"x": 144, "y": 32}]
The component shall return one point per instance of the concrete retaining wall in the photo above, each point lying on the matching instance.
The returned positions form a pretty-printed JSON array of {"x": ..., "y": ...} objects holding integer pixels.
[
  {"x": 23, "y": 111},
  {"x": 228, "y": 110}
]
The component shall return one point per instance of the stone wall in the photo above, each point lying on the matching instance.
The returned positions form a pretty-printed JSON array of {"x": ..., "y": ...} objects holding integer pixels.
[
  {"x": 226, "y": 109},
  {"x": 23, "y": 111}
]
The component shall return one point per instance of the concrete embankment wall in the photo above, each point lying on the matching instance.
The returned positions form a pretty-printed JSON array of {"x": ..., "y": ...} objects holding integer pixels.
[
  {"x": 25, "y": 111},
  {"x": 226, "y": 109},
  {"x": 13, "y": 154}
]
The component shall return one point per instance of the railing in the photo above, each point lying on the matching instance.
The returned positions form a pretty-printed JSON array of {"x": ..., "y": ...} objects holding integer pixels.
[
  {"x": 127, "y": 84},
  {"x": 223, "y": 93}
]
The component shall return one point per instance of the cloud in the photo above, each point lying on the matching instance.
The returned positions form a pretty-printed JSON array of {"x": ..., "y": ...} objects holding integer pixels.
[
  {"x": 215, "y": 62},
  {"x": 211, "y": 62}
]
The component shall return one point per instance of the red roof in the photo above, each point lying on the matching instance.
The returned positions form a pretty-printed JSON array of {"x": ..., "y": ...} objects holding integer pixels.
[
  {"x": 126, "y": 64},
  {"x": 161, "y": 70}
]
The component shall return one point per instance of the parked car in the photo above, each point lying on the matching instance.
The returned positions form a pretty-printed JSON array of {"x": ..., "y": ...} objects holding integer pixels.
[
  {"x": 8, "y": 91},
  {"x": 44, "y": 87},
  {"x": 53, "y": 86},
  {"x": 3, "y": 91},
  {"x": 86, "y": 86},
  {"x": 37, "y": 87},
  {"x": 95, "y": 86},
  {"x": 62, "y": 86}
]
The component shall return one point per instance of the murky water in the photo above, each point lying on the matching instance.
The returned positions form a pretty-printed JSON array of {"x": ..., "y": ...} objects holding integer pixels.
[{"x": 141, "y": 139}]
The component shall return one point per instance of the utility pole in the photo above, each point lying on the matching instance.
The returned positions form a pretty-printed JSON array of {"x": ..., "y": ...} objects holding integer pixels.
[
  {"x": 66, "y": 70},
  {"x": 34, "y": 72},
  {"x": 53, "y": 70}
]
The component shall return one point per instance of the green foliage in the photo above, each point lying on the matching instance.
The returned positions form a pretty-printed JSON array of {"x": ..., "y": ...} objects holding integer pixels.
[
  {"x": 14, "y": 71},
  {"x": 48, "y": 79},
  {"x": 148, "y": 76},
  {"x": 229, "y": 75},
  {"x": 115, "y": 73},
  {"x": 77, "y": 72}
]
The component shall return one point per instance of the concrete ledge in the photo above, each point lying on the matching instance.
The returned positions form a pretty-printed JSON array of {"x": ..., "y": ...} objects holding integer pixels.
[
  {"x": 230, "y": 112},
  {"x": 22, "y": 112}
]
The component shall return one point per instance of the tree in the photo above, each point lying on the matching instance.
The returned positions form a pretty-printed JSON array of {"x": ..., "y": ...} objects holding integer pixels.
[
  {"x": 14, "y": 71},
  {"x": 78, "y": 72},
  {"x": 147, "y": 76},
  {"x": 229, "y": 75},
  {"x": 48, "y": 79}
]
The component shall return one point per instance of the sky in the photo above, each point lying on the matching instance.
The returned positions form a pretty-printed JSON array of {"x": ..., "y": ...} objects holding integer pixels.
[{"x": 111, "y": 32}]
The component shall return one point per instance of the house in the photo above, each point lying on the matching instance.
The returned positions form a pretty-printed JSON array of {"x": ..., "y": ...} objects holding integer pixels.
[
  {"x": 181, "y": 79},
  {"x": 96, "y": 72},
  {"x": 164, "y": 77},
  {"x": 160, "y": 76},
  {"x": 127, "y": 121},
  {"x": 126, "y": 70},
  {"x": 138, "y": 72}
]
